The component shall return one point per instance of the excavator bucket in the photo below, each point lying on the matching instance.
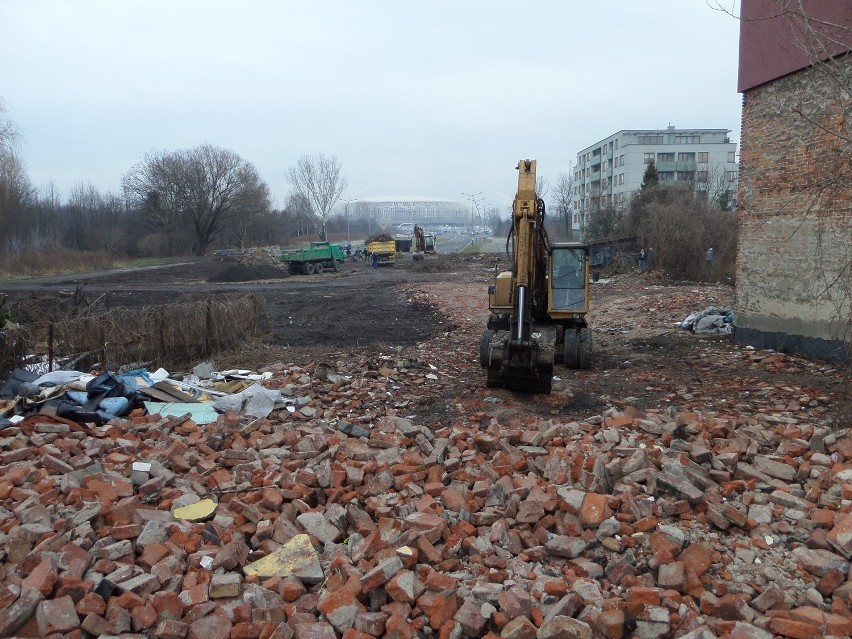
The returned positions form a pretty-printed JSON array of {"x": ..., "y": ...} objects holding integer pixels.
[{"x": 519, "y": 365}]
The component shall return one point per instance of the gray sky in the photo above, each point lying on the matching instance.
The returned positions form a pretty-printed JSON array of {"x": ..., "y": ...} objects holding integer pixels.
[{"x": 414, "y": 98}]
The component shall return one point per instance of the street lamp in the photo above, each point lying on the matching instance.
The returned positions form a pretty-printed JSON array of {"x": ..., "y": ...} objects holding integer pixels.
[
  {"x": 347, "y": 216},
  {"x": 474, "y": 205}
]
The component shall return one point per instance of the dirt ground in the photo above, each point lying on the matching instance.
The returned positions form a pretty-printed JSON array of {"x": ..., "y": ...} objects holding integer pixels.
[{"x": 433, "y": 312}]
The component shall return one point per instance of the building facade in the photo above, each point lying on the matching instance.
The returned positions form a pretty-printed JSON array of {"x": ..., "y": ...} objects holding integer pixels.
[
  {"x": 794, "y": 260},
  {"x": 609, "y": 171}
]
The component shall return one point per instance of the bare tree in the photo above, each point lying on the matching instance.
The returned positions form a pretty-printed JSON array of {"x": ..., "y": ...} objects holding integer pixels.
[
  {"x": 16, "y": 191},
  {"x": 718, "y": 186},
  {"x": 603, "y": 222},
  {"x": 201, "y": 189},
  {"x": 14, "y": 183},
  {"x": 83, "y": 205},
  {"x": 299, "y": 214},
  {"x": 563, "y": 200},
  {"x": 319, "y": 180},
  {"x": 8, "y": 131}
]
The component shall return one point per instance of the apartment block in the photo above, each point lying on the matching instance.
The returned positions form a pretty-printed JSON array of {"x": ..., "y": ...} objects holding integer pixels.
[{"x": 609, "y": 171}]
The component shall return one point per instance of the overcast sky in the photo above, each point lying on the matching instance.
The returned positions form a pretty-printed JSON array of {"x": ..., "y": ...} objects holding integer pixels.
[{"x": 414, "y": 98}]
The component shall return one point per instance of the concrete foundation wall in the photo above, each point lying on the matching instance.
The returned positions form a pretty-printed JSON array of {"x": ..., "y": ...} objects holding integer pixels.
[{"x": 795, "y": 210}]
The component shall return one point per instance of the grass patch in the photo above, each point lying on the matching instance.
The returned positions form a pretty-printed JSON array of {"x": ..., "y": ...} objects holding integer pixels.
[
  {"x": 476, "y": 245},
  {"x": 26, "y": 264}
]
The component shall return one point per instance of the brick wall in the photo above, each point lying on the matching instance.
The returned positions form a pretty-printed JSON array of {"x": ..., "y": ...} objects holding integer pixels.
[{"x": 795, "y": 209}]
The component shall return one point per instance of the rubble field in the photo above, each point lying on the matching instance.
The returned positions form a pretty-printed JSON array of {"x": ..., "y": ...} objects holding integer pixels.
[{"x": 684, "y": 486}]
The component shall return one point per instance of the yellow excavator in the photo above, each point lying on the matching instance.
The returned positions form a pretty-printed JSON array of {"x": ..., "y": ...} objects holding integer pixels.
[{"x": 538, "y": 309}]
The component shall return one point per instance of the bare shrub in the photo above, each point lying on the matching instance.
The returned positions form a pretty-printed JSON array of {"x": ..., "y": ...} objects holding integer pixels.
[
  {"x": 172, "y": 335},
  {"x": 680, "y": 228},
  {"x": 15, "y": 345}
]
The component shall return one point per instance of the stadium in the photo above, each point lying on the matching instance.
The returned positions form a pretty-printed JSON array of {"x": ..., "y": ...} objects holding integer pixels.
[{"x": 387, "y": 212}]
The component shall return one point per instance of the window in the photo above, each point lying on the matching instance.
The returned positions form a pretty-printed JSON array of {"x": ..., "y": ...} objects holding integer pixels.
[
  {"x": 621, "y": 178},
  {"x": 649, "y": 157},
  {"x": 731, "y": 176},
  {"x": 650, "y": 139},
  {"x": 603, "y": 150},
  {"x": 686, "y": 157},
  {"x": 665, "y": 157},
  {"x": 703, "y": 157},
  {"x": 732, "y": 156},
  {"x": 605, "y": 165},
  {"x": 621, "y": 157},
  {"x": 701, "y": 176},
  {"x": 687, "y": 139},
  {"x": 616, "y": 145}
]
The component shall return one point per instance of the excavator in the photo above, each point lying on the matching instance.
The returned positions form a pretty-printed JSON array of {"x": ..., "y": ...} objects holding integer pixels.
[
  {"x": 423, "y": 243},
  {"x": 538, "y": 309}
]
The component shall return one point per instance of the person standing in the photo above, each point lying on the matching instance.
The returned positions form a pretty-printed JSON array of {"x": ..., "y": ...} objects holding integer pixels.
[{"x": 641, "y": 259}]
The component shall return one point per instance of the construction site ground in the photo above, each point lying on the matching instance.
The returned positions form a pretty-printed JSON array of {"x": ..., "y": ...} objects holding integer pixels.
[
  {"x": 437, "y": 308},
  {"x": 684, "y": 486}
]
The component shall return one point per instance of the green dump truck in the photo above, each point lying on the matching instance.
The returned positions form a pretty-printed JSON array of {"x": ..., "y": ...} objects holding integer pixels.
[{"x": 313, "y": 259}]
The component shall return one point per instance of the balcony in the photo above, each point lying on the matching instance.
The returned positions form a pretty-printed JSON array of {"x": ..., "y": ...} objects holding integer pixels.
[{"x": 677, "y": 166}]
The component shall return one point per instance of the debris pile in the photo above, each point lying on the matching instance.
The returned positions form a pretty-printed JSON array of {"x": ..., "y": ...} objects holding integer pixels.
[
  {"x": 713, "y": 319},
  {"x": 332, "y": 512}
]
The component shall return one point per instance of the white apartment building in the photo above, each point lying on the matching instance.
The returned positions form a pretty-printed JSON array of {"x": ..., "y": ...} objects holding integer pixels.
[{"x": 609, "y": 171}]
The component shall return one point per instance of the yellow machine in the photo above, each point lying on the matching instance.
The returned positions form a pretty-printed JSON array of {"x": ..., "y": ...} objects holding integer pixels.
[
  {"x": 538, "y": 309},
  {"x": 423, "y": 242}
]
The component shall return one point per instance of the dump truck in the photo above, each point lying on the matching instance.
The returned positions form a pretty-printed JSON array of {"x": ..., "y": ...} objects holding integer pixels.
[
  {"x": 383, "y": 247},
  {"x": 539, "y": 307},
  {"x": 314, "y": 258}
]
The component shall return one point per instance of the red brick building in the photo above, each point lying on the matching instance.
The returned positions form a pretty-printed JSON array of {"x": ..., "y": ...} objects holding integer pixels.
[{"x": 794, "y": 262}]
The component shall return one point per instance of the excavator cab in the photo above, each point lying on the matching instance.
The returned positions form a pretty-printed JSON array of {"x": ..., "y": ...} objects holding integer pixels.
[
  {"x": 569, "y": 277},
  {"x": 538, "y": 309}
]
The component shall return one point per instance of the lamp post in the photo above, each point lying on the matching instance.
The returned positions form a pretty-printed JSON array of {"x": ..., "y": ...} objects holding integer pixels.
[
  {"x": 347, "y": 216},
  {"x": 474, "y": 205}
]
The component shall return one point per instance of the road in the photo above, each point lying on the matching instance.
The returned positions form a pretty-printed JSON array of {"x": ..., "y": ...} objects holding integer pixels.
[{"x": 459, "y": 242}]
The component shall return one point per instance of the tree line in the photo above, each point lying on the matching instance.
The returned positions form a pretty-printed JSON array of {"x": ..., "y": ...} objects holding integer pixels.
[{"x": 171, "y": 203}]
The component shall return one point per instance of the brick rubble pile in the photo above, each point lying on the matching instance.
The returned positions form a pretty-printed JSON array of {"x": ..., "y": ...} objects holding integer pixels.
[
  {"x": 354, "y": 511},
  {"x": 346, "y": 518}
]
